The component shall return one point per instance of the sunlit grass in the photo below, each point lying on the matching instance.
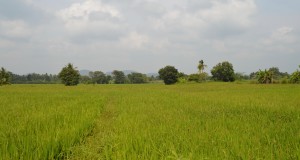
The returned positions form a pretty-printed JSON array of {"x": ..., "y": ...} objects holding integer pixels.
[
  {"x": 44, "y": 121},
  {"x": 199, "y": 121},
  {"x": 153, "y": 121}
]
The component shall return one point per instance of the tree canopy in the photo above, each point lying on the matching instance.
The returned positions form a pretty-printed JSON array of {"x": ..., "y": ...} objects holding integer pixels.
[
  {"x": 69, "y": 75},
  {"x": 4, "y": 77},
  {"x": 98, "y": 77},
  {"x": 119, "y": 77},
  {"x": 201, "y": 66},
  {"x": 223, "y": 72},
  {"x": 265, "y": 76},
  {"x": 295, "y": 77},
  {"x": 137, "y": 78},
  {"x": 169, "y": 74}
]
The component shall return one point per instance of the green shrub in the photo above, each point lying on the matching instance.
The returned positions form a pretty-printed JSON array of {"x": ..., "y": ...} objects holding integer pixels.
[
  {"x": 181, "y": 80},
  {"x": 194, "y": 77},
  {"x": 284, "y": 80},
  {"x": 295, "y": 77},
  {"x": 4, "y": 77}
]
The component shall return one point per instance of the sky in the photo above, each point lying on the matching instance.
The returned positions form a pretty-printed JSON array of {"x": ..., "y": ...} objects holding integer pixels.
[{"x": 42, "y": 36}]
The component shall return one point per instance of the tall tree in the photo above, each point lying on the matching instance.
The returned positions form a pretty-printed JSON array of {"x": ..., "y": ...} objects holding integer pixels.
[
  {"x": 201, "y": 66},
  {"x": 223, "y": 72},
  {"x": 69, "y": 75},
  {"x": 119, "y": 77},
  {"x": 277, "y": 74},
  {"x": 4, "y": 77},
  {"x": 202, "y": 75},
  {"x": 137, "y": 78},
  {"x": 98, "y": 77},
  {"x": 169, "y": 74}
]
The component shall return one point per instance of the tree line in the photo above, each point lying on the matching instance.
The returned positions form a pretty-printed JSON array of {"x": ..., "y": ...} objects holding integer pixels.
[
  {"x": 32, "y": 78},
  {"x": 117, "y": 77},
  {"x": 222, "y": 71},
  {"x": 69, "y": 76}
]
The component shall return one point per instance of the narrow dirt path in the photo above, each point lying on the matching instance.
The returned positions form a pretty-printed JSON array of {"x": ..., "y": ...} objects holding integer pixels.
[{"x": 92, "y": 147}]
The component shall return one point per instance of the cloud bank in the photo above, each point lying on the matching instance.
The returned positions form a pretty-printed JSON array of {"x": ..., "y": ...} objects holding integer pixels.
[{"x": 145, "y": 35}]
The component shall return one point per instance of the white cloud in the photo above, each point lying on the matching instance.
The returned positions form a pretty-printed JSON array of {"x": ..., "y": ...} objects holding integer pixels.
[
  {"x": 97, "y": 32},
  {"x": 80, "y": 16},
  {"x": 29, "y": 1},
  {"x": 90, "y": 19},
  {"x": 134, "y": 40},
  {"x": 14, "y": 29},
  {"x": 84, "y": 10},
  {"x": 219, "y": 46},
  {"x": 280, "y": 36},
  {"x": 231, "y": 12},
  {"x": 140, "y": 41},
  {"x": 235, "y": 11},
  {"x": 5, "y": 43},
  {"x": 283, "y": 34}
]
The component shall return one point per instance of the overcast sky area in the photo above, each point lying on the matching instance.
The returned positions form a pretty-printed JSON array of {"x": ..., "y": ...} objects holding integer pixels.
[{"x": 42, "y": 36}]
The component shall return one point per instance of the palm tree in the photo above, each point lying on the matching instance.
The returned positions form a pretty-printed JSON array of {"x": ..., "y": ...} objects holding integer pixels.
[
  {"x": 201, "y": 66},
  {"x": 265, "y": 76}
]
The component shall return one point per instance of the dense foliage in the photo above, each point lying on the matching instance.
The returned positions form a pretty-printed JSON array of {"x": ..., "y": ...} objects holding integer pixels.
[
  {"x": 265, "y": 76},
  {"x": 69, "y": 75},
  {"x": 137, "y": 78},
  {"x": 169, "y": 74},
  {"x": 34, "y": 78},
  {"x": 99, "y": 77},
  {"x": 4, "y": 77},
  {"x": 277, "y": 74},
  {"x": 193, "y": 77},
  {"x": 295, "y": 77},
  {"x": 119, "y": 77},
  {"x": 241, "y": 76},
  {"x": 223, "y": 72}
]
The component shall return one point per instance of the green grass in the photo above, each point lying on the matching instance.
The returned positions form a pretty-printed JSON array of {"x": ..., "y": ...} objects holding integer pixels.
[
  {"x": 45, "y": 121},
  {"x": 154, "y": 121}
]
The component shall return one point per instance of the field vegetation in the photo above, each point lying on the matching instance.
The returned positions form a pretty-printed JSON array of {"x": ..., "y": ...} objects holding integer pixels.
[
  {"x": 150, "y": 121},
  {"x": 45, "y": 121}
]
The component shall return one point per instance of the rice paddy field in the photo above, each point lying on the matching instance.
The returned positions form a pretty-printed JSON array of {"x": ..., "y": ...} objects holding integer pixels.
[{"x": 151, "y": 121}]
